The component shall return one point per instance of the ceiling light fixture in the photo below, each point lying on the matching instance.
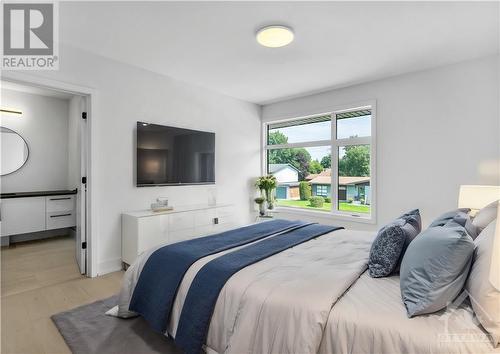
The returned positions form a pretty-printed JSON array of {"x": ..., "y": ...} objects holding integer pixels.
[{"x": 274, "y": 36}]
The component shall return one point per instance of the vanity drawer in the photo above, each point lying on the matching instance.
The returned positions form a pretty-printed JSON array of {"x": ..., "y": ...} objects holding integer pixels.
[
  {"x": 60, "y": 219},
  {"x": 58, "y": 203},
  {"x": 22, "y": 215}
]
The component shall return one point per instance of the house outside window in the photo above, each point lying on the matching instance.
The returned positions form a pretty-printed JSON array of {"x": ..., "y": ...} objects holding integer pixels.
[
  {"x": 321, "y": 190},
  {"x": 324, "y": 163}
]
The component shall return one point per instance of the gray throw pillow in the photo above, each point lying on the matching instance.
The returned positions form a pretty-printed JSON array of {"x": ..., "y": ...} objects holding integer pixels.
[
  {"x": 486, "y": 215},
  {"x": 444, "y": 218},
  {"x": 412, "y": 227},
  {"x": 484, "y": 297},
  {"x": 435, "y": 267},
  {"x": 465, "y": 221},
  {"x": 461, "y": 217},
  {"x": 390, "y": 243}
]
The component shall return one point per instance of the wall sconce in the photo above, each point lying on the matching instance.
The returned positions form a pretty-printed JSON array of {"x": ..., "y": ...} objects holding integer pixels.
[{"x": 11, "y": 111}]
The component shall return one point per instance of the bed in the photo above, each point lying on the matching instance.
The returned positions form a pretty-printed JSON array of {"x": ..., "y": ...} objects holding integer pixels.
[
  {"x": 314, "y": 297},
  {"x": 371, "y": 318}
]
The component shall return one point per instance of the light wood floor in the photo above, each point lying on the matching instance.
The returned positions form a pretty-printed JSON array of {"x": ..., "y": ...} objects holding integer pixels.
[{"x": 39, "y": 279}]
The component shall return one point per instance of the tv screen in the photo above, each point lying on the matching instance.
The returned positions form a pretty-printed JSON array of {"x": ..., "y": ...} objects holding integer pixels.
[{"x": 173, "y": 156}]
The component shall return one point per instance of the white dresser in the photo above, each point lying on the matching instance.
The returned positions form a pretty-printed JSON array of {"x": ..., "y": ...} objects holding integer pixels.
[
  {"x": 142, "y": 230},
  {"x": 27, "y": 212}
]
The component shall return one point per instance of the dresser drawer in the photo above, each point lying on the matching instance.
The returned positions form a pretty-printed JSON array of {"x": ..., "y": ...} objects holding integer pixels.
[
  {"x": 225, "y": 215},
  {"x": 180, "y": 221},
  {"x": 60, "y": 219},
  {"x": 223, "y": 227},
  {"x": 206, "y": 230},
  {"x": 58, "y": 203},
  {"x": 153, "y": 232},
  {"x": 181, "y": 235},
  {"x": 204, "y": 217}
]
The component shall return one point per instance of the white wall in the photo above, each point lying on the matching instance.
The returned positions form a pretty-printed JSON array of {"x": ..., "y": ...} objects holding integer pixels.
[
  {"x": 437, "y": 129},
  {"x": 44, "y": 126},
  {"x": 126, "y": 94}
]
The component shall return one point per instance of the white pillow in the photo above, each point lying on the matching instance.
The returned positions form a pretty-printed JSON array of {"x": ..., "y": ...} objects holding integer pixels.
[
  {"x": 484, "y": 297},
  {"x": 486, "y": 215}
]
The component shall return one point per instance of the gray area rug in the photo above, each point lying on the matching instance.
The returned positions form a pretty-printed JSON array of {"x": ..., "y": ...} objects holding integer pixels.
[{"x": 86, "y": 329}]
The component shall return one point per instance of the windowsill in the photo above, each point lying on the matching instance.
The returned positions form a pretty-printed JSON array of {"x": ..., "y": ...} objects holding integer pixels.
[{"x": 325, "y": 214}]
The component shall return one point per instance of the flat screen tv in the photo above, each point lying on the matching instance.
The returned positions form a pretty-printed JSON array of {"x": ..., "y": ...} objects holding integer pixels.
[{"x": 174, "y": 156}]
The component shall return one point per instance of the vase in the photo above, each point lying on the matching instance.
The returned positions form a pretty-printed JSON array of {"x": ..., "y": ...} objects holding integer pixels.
[
  {"x": 262, "y": 209},
  {"x": 270, "y": 199}
]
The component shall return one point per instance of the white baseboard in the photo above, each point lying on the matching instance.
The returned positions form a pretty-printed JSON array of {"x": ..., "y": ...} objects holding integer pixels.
[{"x": 109, "y": 266}]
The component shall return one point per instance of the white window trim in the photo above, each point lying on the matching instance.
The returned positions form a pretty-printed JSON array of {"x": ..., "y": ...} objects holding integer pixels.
[
  {"x": 321, "y": 190},
  {"x": 334, "y": 143}
]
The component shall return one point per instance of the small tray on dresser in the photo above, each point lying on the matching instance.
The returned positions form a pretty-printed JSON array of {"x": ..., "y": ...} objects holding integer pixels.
[{"x": 162, "y": 209}]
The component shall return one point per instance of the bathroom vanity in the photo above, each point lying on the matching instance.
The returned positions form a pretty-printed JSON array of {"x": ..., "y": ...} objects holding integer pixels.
[{"x": 31, "y": 212}]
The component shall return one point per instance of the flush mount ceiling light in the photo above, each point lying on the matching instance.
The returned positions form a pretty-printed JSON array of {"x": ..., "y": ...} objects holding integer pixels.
[{"x": 274, "y": 36}]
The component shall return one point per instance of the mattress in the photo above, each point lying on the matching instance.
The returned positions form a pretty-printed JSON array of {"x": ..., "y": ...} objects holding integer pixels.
[{"x": 371, "y": 318}]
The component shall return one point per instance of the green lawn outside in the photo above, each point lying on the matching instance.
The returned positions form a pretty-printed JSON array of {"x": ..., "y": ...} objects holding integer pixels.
[
  {"x": 326, "y": 206},
  {"x": 355, "y": 208}
]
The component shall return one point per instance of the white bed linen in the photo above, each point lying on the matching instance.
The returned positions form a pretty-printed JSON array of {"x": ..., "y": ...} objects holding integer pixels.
[
  {"x": 371, "y": 318},
  {"x": 278, "y": 305}
]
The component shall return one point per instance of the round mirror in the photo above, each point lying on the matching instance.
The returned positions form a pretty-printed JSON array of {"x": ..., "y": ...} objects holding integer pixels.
[{"x": 14, "y": 151}]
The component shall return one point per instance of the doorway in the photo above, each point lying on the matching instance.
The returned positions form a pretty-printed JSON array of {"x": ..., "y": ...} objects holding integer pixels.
[{"x": 78, "y": 102}]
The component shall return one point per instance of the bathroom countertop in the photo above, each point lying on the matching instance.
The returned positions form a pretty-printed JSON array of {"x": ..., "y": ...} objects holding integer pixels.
[{"x": 36, "y": 194}]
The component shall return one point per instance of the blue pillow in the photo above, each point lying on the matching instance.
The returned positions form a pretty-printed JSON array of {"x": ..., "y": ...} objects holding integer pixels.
[
  {"x": 462, "y": 217},
  {"x": 465, "y": 221},
  {"x": 441, "y": 220},
  {"x": 390, "y": 243},
  {"x": 435, "y": 267},
  {"x": 413, "y": 217},
  {"x": 412, "y": 228}
]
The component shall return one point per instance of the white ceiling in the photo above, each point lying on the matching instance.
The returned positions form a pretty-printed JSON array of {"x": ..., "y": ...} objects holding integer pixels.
[{"x": 212, "y": 44}]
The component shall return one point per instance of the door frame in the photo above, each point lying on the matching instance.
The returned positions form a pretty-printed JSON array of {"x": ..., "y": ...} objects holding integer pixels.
[{"x": 90, "y": 99}]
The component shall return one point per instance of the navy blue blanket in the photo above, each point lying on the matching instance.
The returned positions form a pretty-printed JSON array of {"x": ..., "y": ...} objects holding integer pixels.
[
  {"x": 206, "y": 286},
  {"x": 162, "y": 274}
]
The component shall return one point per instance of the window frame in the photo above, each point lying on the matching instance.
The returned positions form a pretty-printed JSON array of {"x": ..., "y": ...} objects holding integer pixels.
[
  {"x": 322, "y": 190},
  {"x": 334, "y": 144}
]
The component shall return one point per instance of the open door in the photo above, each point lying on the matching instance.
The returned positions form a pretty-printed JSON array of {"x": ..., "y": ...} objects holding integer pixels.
[{"x": 81, "y": 199}]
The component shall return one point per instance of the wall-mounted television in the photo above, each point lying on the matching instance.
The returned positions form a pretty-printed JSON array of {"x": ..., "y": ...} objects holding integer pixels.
[{"x": 174, "y": 156}]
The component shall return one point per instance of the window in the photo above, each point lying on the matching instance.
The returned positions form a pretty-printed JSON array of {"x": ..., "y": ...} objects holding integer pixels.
[
  {"x": 324, "y": 163},
  {"x": 322, "y": 191}
]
